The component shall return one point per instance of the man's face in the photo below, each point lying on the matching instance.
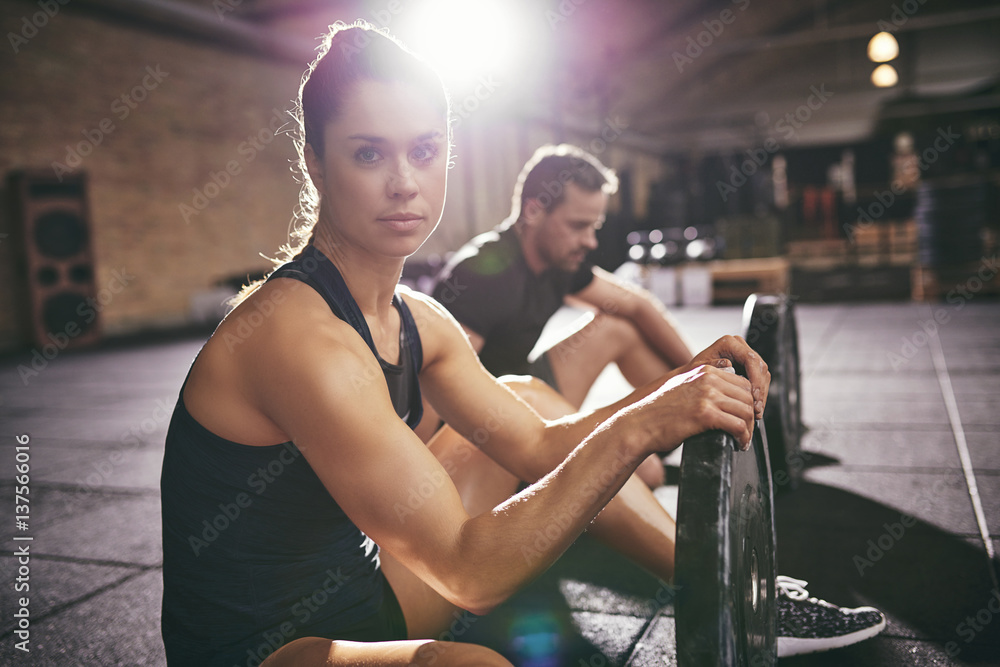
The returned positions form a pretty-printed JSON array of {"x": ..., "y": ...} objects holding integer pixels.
[{"x": 566, "y": 234}]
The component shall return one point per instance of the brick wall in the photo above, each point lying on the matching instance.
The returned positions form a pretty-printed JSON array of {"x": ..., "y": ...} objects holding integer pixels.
[{"x": 190, "y": 111}]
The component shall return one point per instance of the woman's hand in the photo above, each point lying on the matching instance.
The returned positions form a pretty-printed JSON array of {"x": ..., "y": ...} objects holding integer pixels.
[
  {"x": 730, "y": 349},
  {"x": 704, "y": 398}
]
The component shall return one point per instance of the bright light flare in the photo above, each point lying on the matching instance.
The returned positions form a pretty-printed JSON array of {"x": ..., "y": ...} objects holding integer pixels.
[
  {"x": 465, "y": 40},
  {"x": 885, "y": 76},
  {"x": 882, "y": 48}
]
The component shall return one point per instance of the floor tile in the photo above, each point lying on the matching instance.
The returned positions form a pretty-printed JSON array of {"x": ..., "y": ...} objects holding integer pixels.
[
  {"x": 92, "y": 464},
  {"x": 874, "y": 386},
  {"x": 894, "y": 449},
  {"x": 919, "y": 413},
  {"x": 53, "y": 584},
  {"x": 657, "y": 647},
  {"x": 114, "y": 628},
  {"x": 892, "y": 652},
  {"x": 984, "y": 450},
  {"x": 862, "y": 499},
  {"x": 99, "y": 525},
  {"x": 989, "y": 494}
]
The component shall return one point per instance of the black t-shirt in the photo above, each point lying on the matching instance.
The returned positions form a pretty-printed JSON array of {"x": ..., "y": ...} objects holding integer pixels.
[{"x": 489, "y": 288}]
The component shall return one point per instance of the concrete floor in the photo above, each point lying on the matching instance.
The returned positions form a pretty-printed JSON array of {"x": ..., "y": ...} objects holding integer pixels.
[{"x": 881, "y": 450}]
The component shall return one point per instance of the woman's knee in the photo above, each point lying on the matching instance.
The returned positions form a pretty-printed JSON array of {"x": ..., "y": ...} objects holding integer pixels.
[
  {"x": 305, "y": 651},
  {"x": 651, "y": 471},
  {"x": 455, "y": 654},
  {"x": 320, "y": 652}
]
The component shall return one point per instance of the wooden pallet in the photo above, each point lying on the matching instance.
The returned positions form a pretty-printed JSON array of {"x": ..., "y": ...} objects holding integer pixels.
[
  {"x": 735, "y": 279},
  {"x": 889, "y": 243},
  {"x": 811, "y": 249},
  {"x": 961, "y": 282}
]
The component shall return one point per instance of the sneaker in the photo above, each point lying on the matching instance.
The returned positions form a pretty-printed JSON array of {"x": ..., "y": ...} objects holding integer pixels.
[{"x": 807, "y": 624}]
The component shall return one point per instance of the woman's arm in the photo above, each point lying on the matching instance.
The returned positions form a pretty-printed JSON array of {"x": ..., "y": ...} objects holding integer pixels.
[{"x": 326, "y": 392}]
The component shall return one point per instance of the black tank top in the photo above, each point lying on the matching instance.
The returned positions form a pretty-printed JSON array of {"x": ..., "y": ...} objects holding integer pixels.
[
  {"x": 313, "y": 268},
  {"x": 256, "y": 552}
]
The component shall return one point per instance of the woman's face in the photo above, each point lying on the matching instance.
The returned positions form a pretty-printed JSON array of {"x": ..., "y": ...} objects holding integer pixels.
[{"x": 384, "y": 170}]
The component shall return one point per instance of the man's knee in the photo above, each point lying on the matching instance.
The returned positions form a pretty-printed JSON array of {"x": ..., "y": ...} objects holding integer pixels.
[
  {"x": 618, "y": 329},
  {"x": 602, "y": 339}
]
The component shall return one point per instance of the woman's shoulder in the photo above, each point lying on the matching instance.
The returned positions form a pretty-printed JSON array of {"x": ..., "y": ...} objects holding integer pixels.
[
  {"x": 440, "y": 333},
  {"x": 425, "y": 309},
  {"x": 281, "y": 316},
  {"x": 276, "y": 335}
]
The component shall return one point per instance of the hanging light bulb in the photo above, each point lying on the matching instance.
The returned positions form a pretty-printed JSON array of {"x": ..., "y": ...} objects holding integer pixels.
[
  {"x": 882, "y": 48},
  {"x": 885, "y": 76}
]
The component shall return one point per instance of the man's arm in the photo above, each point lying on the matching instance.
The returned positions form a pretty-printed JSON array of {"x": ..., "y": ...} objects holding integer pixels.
[
  {"x": 609, "y": 294},
  {"x": 461, "y": 390},
  {"x": 615, "y": 297}
]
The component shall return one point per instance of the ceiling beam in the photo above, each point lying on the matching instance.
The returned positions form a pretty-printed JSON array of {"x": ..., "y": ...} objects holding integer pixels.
[
  {"x": 854, "y": 31},
  {"x": 717, "y": 57},
  {"x": 221, "y": 30}
]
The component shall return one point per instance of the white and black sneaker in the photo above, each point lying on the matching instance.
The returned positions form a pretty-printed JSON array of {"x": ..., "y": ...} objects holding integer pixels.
[{"x": 807, "y": 624}]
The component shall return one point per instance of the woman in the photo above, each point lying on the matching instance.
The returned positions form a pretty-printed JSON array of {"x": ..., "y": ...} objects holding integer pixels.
[{"x": 291, "y": 454}]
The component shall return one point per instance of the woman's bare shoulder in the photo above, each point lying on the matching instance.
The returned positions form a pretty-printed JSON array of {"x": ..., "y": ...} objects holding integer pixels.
[
  {"x": 426, "y": 309},
  {"x": 272, "y": 337},
  {"x": 282, "y": 319}
]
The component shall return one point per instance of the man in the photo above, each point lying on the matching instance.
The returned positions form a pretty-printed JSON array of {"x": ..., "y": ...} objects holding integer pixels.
[{"x": 504, "y": 285}]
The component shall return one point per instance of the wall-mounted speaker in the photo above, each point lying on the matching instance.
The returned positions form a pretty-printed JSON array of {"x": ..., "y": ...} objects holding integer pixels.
[{"x": 56, "y": 234}]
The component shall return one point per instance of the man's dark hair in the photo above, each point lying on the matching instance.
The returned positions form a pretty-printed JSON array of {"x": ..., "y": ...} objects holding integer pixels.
[{"x": 545, "y": 175}]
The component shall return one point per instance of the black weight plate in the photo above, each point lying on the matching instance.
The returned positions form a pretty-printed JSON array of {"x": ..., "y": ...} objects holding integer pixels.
[
  {"x": 725, "y": 567},
  {"x": 769, "y": 328}
]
